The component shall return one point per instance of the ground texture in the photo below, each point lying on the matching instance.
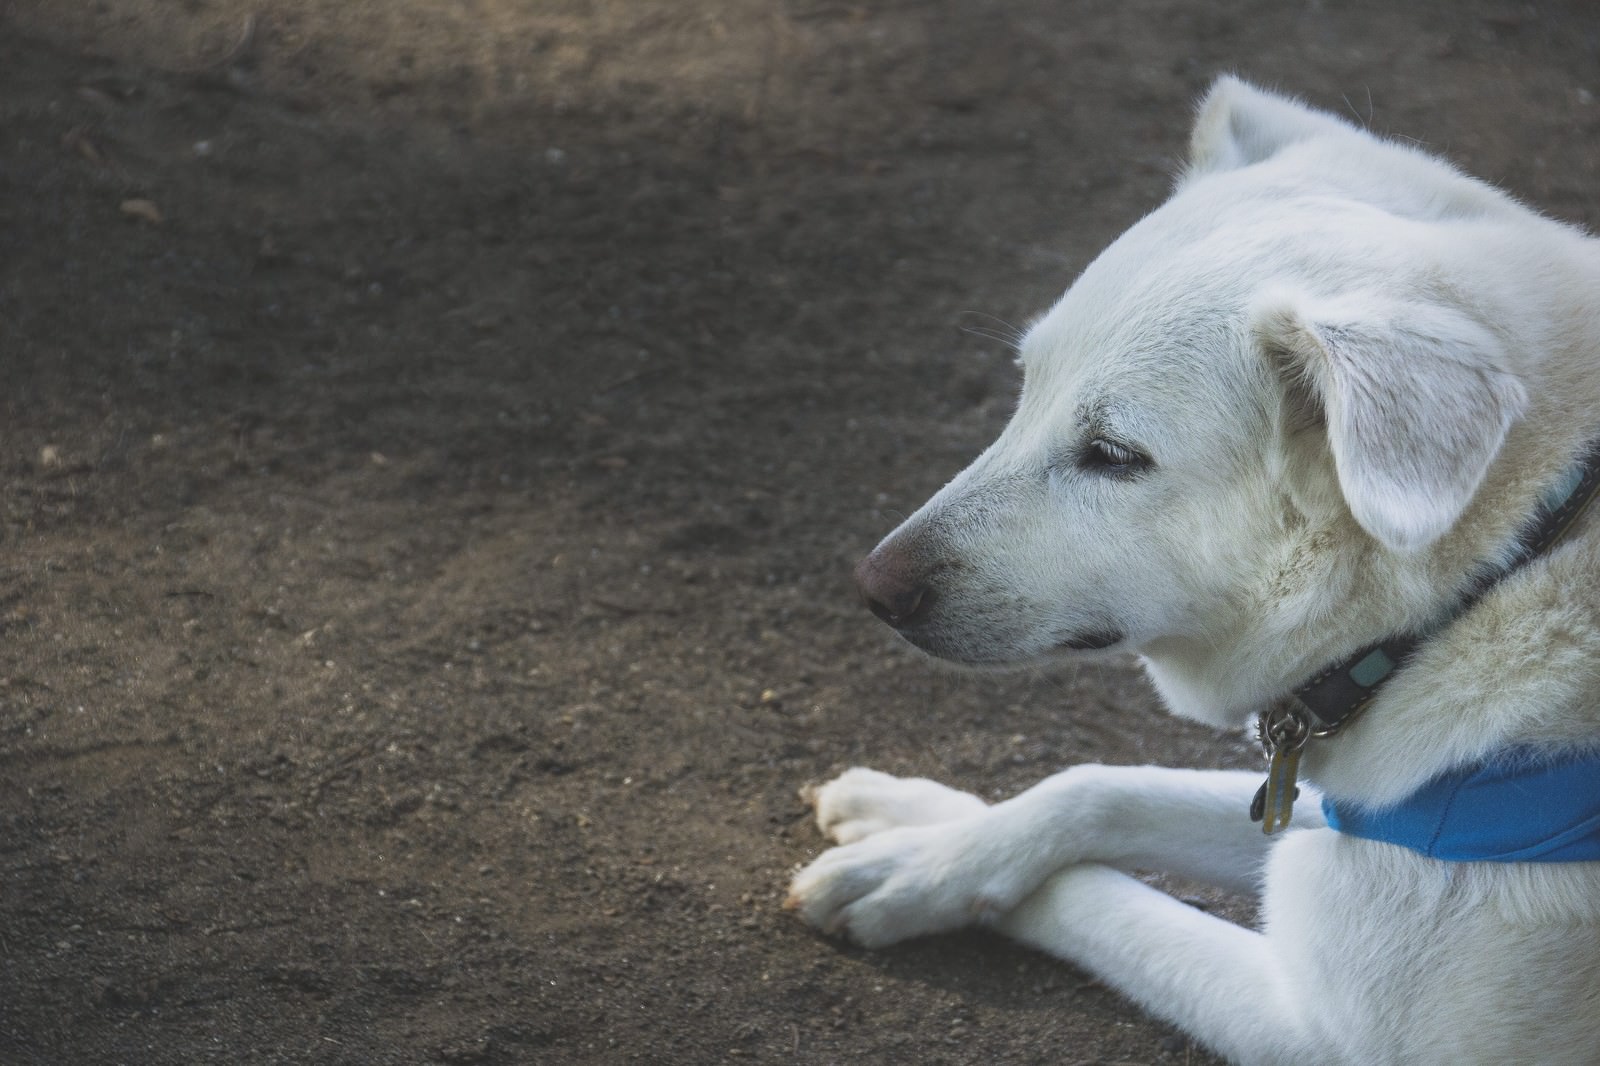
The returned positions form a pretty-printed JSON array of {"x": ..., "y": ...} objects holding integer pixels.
[{"x": 434, "y": 439}]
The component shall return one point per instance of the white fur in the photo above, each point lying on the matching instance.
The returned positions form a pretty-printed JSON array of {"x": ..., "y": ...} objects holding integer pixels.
[{"x": 1354, "y": 370}]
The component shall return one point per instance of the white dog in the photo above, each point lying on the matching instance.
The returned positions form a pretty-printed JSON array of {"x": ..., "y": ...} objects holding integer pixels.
[{"x": 1315, "y": 421}]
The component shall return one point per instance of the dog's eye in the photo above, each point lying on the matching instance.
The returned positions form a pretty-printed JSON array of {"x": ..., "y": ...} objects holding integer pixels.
[{"x": 1112, "y": 459}]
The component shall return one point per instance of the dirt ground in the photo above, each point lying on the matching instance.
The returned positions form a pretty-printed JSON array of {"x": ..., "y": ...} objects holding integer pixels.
[{"x": 434, "y": 439}]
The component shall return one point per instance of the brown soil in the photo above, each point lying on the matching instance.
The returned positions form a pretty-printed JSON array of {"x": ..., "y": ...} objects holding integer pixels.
[{"x": 434, "y": 441}]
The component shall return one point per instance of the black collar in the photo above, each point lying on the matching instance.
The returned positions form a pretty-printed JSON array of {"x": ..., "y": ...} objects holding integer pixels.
[{"x": 1333, "y": 698}]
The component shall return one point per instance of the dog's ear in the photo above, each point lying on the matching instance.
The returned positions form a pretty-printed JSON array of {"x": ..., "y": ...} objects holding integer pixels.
[
  {"x": 1238, "y": 124},
  {"x": 1416, "y": 398}
]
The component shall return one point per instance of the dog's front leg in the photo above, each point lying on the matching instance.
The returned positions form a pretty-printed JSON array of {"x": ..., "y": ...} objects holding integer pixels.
[
  {"x": 971, "y": 862},
  {"x": 1221, "y": 983},
  {"x": 1193, "y": 823}
]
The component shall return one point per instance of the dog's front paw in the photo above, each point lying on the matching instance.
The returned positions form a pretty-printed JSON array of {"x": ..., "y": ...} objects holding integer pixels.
[
  {"x": 861, "y": 802},
  {"x": 908, "y": 881}
]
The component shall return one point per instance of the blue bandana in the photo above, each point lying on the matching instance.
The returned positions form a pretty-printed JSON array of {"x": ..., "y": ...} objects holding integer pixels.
[{"x": 1509, "y": 809}]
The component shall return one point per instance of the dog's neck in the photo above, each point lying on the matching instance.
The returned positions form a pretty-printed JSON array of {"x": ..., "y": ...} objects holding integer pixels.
[
  {"x": 1339, "y": 693},
  {"x": 1493, "y": 658}
]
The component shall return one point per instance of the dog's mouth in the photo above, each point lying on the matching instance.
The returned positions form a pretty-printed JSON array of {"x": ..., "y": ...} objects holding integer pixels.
[
  {"x": 1096, "y": 641},
  {"x": 991, "y": 656}
]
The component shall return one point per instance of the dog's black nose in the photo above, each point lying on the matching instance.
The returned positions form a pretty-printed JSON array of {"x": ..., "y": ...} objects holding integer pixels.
[
  {"x": 890, "y": 591},
  {"x": 901, "y": 611}
]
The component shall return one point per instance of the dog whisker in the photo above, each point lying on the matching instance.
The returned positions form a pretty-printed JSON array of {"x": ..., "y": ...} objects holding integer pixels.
[{"x": 1005, "y": 332}]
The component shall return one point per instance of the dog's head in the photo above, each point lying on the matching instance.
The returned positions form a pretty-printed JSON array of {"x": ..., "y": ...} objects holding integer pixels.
[{"x": 1249, "y": 433}]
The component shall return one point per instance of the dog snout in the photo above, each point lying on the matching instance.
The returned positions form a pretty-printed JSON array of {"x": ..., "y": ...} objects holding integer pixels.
[{"x": 893, "y": 588}]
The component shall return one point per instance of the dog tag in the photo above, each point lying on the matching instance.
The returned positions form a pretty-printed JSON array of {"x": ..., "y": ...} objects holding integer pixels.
[
  {"x": 1274, "y": 802},
  {"x": 1284, "y": 732}
]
